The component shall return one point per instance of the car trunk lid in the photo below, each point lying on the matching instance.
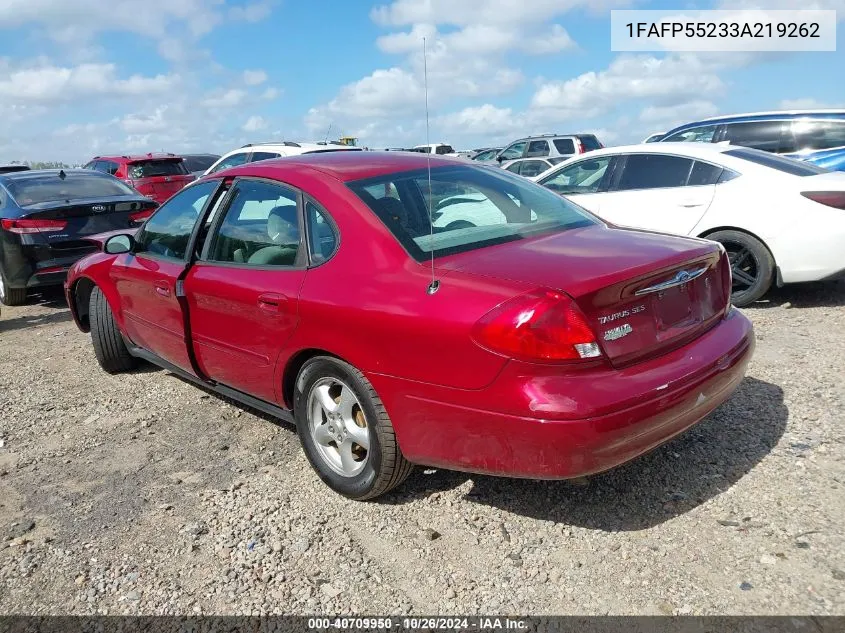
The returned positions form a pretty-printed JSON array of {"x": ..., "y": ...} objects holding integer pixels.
[
  {"x": 76, "y": 220},
  {"x": 643, "y": 293}
]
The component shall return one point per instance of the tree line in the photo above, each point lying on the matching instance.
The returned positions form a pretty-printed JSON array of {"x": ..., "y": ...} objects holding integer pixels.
[{"x": 50, "y": 164}]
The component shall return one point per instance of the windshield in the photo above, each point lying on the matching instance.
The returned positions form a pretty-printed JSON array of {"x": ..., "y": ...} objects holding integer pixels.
[
  {"x": 151, "y": 168},
  {"x": 48, "y": 187},
  {"x": 787, "y": 165},
  {"x": 471, "y": 207}
]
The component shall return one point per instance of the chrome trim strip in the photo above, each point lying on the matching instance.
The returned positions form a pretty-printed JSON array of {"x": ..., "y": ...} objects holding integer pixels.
[{"x": 683, "y": 277}]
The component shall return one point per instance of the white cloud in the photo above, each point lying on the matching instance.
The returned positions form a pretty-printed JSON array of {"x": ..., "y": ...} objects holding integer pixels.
[
  {"x": 270, "y": 93},
  {"x": 56, "y": 84},
  {"x": 226, "y": 99},
  {"x": 671, "y": 116},
  {"x": 254, "y": 77},
  {"x": 254, "y": 123},
  {"x": 253, "y": 12},
  {"x": 667, "y": 81},
  {"x": 806, "y": 103}
]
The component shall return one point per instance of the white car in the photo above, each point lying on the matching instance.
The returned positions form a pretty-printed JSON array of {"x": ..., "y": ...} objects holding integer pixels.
[
  {"x": 265, "y": 151},
  {"x": 781, "y": 220}
]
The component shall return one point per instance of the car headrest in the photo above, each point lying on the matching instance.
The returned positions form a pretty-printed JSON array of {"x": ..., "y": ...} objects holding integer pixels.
[{"x": 282, "y": 225}]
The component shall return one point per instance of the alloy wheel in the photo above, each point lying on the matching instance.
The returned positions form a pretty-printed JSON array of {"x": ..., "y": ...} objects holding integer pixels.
[
  {"x": 745, "y": 269},
  {"x": 338, "y": 426}
]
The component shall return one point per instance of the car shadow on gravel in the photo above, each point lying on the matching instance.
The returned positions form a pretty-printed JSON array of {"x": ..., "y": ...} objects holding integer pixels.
[
  {"x": 819, "y": 294},
  {"x": 34, "y": 320},
  {"x": 661, "y": 485}
]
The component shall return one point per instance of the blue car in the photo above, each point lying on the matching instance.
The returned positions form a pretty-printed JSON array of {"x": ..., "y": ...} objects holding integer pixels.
[{"x": 817, "y": 136}]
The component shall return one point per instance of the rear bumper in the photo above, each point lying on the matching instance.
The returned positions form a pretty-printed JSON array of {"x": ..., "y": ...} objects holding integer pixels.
[
  {"x": 630, "y": 412},
  {"x": 36, "y": 265}
]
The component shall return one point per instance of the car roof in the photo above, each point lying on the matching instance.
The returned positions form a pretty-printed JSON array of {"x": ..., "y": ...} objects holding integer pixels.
[
  {"x": 349, "y": 166},
  {"x": 763, "y": 116},
  {"x": 693, "y": 150},
  {"x": 138, "y": 157}
]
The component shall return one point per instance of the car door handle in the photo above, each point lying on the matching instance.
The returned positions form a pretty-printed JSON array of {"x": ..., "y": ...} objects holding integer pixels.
[
  {"x": 162, "y": 288},
  {"x": 271, "y": 302},
  {"x": 690, "y": 205}
]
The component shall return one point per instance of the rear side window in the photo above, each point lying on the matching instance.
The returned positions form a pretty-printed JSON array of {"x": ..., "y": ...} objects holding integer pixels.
[
  {"x": 538, "y": 148},
  {"x": 590, "y": 142},
  {"x": 704, "y": 174},
  {"x": 818, "y": 134},
  {"x": 780, "y": 163},
  {"x": 322, "y": 239},
  {"x": 261, "y": 227},
  {"x": 764, "y": 135},
  {"x": 565, "y": 145},
  {"x": 153, "y": 168},
  {"x": 263, "y": 156},
  {"x": 444, "y": 149},
  {"x": 654, "y": 171},
  {"x": 701, "y": 134},
  {"x": 75, "y": 186}
]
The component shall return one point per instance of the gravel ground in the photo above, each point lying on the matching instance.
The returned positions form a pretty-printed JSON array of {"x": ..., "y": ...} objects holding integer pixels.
[{"x": 141, "y": 493}]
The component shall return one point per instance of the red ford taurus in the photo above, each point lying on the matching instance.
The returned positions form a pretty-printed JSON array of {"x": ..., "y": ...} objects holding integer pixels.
[{"x": 405, "y": 309}]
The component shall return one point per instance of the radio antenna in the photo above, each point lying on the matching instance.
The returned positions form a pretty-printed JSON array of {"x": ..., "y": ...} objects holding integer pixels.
[{"x": 435, "y": 283}]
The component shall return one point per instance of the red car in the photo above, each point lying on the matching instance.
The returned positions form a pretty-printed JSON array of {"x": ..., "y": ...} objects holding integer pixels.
[
  {"x": 407, "y": 309},
  {"x": 157, "y": 176}
]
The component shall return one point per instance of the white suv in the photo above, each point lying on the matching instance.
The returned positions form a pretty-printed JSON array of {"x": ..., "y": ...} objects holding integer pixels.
[
  {"x": 549, "y": 146},
  {"x": 265, "y": 151}
]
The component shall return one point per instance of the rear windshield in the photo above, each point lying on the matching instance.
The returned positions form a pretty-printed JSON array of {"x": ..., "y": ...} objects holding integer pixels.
[
  {"x": 471, "y": 207},
  {"x": 589, "y": 142},
  {"x": 37, "y": 189},
  {"x": 199, "y": 163},
  {"x": 786, "y": 165},
  {"x": 152, "y": 168}
]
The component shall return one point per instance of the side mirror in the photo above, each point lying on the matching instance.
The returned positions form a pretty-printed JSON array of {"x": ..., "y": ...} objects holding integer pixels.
[
  {"x": 500, "y": 158},
  {"x": 590, "y": 165},
  {"x": 118, "y": 244}
]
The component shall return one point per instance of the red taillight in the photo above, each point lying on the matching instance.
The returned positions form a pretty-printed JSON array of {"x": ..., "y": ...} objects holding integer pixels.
[
  {"x": 25, "y": 226},
  {"x": 538, "y": 326},
  {"x": 726, "y": 276},
  {"x": 835, "y": 199},
  {"x": 140, "y": 216}
]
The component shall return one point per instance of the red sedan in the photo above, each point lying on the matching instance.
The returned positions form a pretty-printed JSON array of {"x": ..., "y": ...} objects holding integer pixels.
[{"x": 406, "y": 309}]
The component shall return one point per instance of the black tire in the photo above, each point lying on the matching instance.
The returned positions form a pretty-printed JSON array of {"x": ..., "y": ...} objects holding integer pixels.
[
  {"x": 109, "y": 347},
  {"x": 752, "y": 266},
  {"x": 385, "y": 466},
  {"x": 11, "y": 296}
]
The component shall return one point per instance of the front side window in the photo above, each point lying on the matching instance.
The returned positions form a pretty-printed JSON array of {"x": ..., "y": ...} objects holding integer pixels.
[
  {"x": 564, "y": 146},
  {"x": 513, "y": 151},
  {"x": 515, "y": 167},
  {"x": 538, "y": 148},
  {"x": 654, "y": 171},
  {"x": 701, "y": 134},
  {"x": 585, "y": 176},
  {"x": 470, "y": 208},
  {"x": 816, "y": 135},
  {"x": 169, "y": 229},
  {"x": 50, "y": 187},
  {"x": 231, "y": 161},
  {"x": 489, "y": 154},
  {"x": 444, "y": 149},
  {"x": 260, "y": 228},
  {"x": 764, "y": 135},
  {"x": 153, "y": 168}
]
